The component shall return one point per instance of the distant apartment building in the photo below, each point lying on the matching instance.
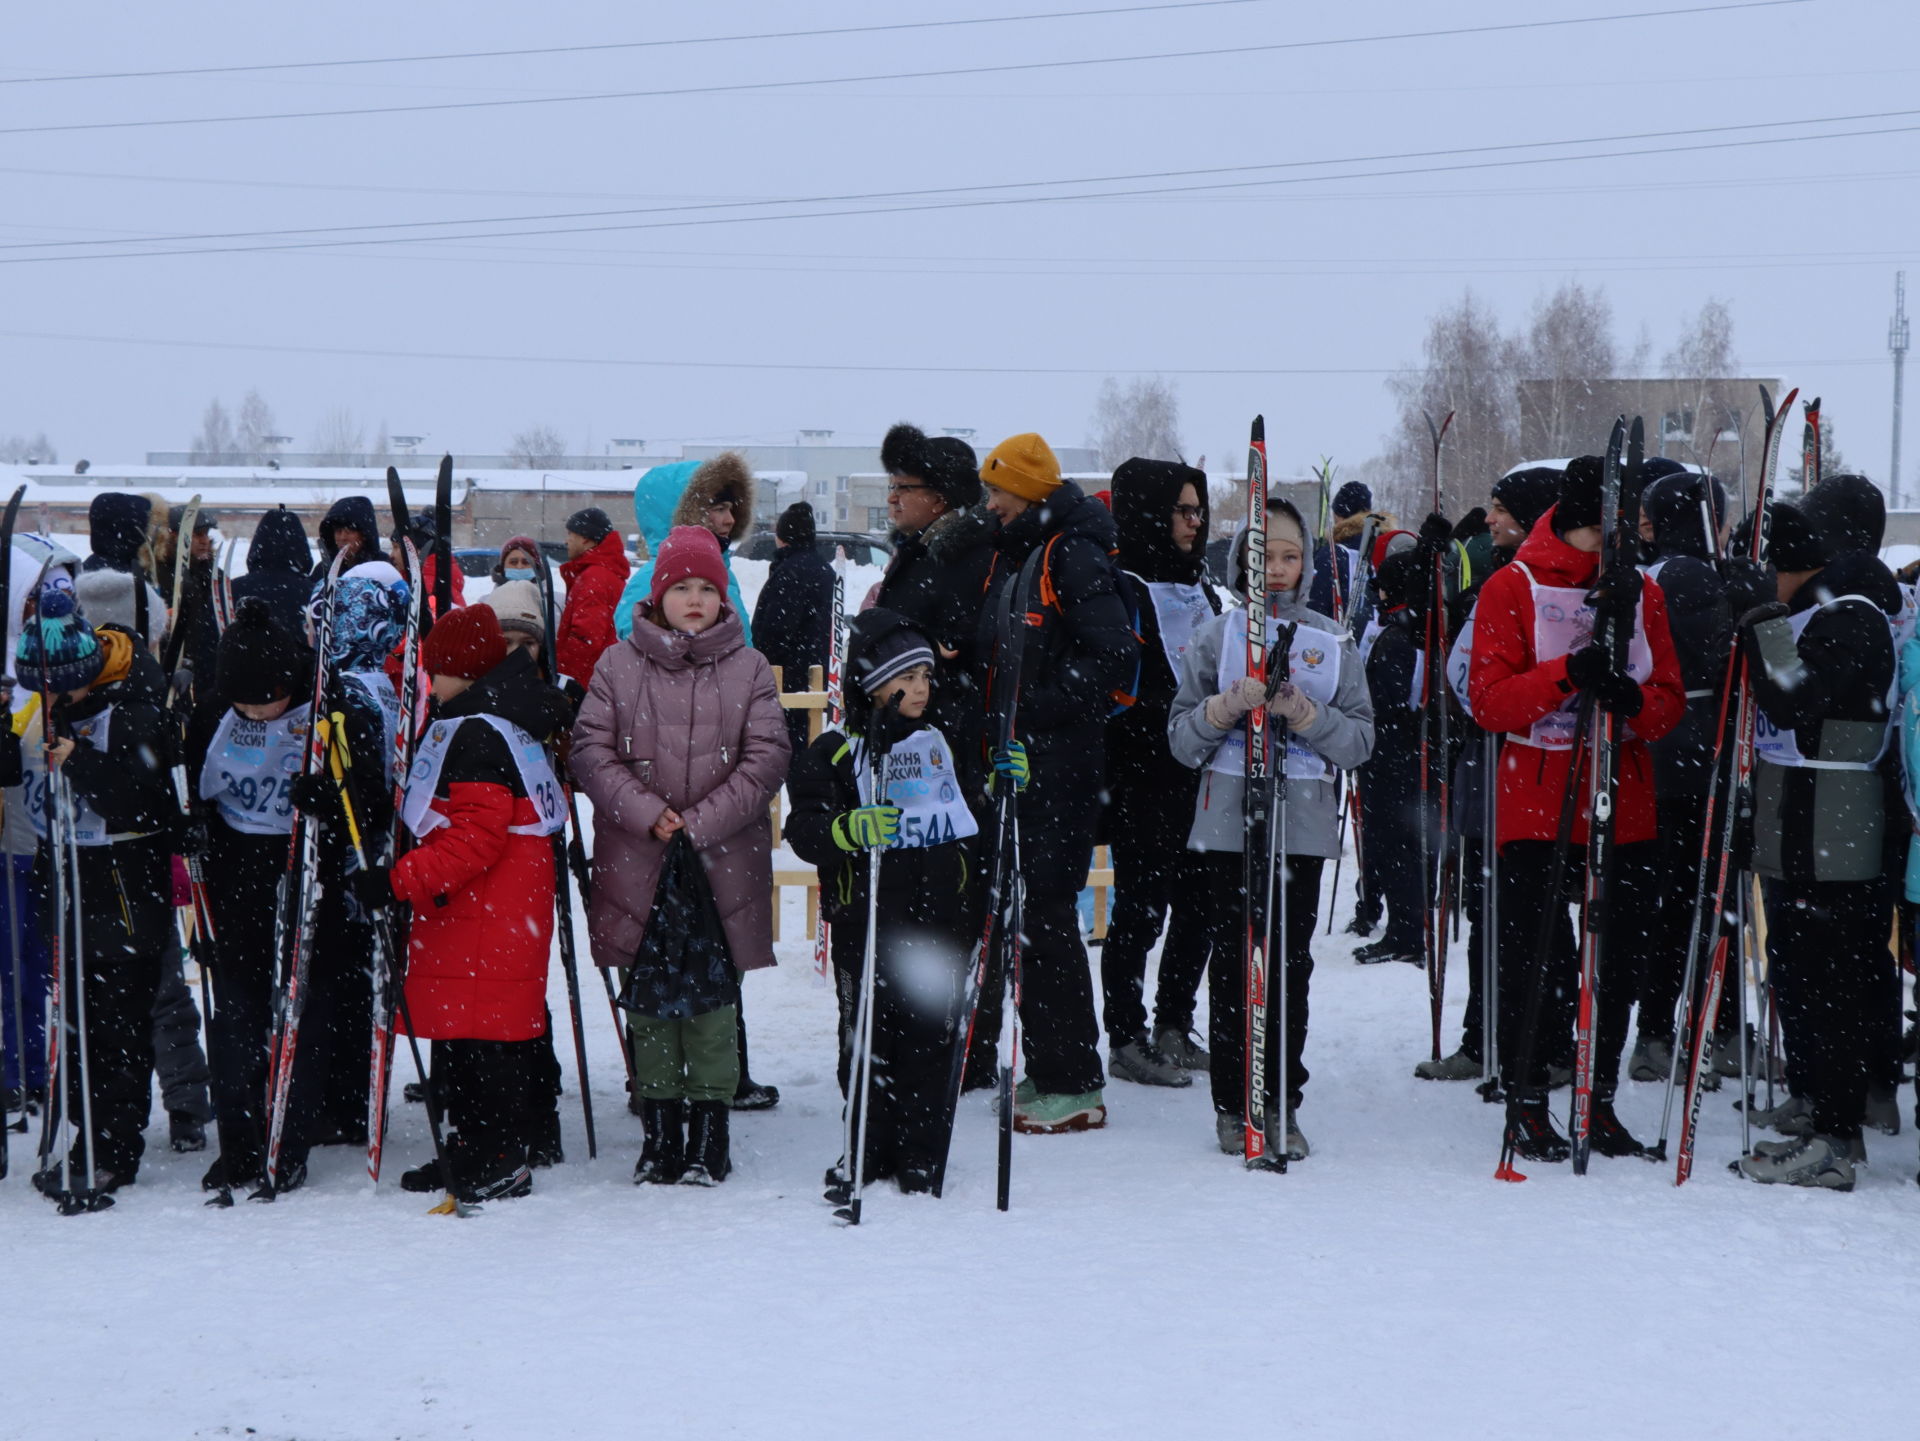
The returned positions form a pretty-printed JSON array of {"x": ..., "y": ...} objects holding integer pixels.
[{"x": 1714, "y": 423}]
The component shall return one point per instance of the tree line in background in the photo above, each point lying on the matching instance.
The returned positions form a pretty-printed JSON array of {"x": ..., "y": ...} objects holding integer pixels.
[{"x": 1532, "y": 392}]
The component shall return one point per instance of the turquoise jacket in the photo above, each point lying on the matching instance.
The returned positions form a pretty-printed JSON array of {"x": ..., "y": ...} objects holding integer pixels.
[
  {"x": 656, "y": 495},
  {"x": 1909, "y": 736}
]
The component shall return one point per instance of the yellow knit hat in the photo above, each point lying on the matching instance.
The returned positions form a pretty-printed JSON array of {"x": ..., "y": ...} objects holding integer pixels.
[{"x": 1023, "y": 465}]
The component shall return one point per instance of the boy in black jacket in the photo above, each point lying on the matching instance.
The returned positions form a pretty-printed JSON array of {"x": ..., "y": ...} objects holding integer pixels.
[
  {"x": 1822, "y": 662},
  {"x": 103, "y": 733},
  {"x": 245, "y": 748},
  {"x": 922, "y": 824}
]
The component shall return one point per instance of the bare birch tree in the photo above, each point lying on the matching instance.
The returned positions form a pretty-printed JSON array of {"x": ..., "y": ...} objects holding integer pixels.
[
  {"x": 538, "y": 447},
  {"x": 1139, "y": 417},
  {"x": 216, "y": 443}
]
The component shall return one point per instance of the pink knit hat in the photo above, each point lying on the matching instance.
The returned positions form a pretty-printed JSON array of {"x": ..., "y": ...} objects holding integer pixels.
[{"x": 688, "y": 551}]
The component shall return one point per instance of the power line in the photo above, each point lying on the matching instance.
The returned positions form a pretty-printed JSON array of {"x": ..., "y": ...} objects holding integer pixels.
[
  {"x": 680, "y": 363},
  {"x": 1023, "y": 67},
  {"x": 608, "y": 45},
  {"x": 995, "y": 201},
  {"x": 864, "y": 197}
]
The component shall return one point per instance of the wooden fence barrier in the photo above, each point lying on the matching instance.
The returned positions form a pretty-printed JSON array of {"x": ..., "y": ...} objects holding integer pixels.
[{"x": 813, "y": 700}]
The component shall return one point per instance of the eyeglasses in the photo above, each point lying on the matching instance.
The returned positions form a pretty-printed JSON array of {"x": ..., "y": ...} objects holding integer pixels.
[
  {"x": 896, "y": 489},
  {"x": 1193, "y": 513}
]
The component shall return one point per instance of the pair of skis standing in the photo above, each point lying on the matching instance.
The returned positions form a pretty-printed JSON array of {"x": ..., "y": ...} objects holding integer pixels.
[
  {"x": 1730, "y": 797},
  {"x": 297, "y": 914}
]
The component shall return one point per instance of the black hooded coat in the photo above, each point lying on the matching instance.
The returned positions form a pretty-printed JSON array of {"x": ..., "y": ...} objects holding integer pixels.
[
  {"x": 1150, "y": 794},
  {"x": 350, "y": 512},
  {"x": 278, "y": 563},
  {"x": 1701, "y": 620},
  {"x": 1079, "y": 652}
]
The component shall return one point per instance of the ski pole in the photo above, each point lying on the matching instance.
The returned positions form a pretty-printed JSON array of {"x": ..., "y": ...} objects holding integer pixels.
[
  {"x": 1523, "y": 1071},
  {"x": 1490, "y": 914},
  {"x": 339, "y": 763},
  {"x": 860, "y": 1079}
]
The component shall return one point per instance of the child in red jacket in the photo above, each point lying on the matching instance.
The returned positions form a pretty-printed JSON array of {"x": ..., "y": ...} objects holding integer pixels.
[
  {"x": 481, "y": 802},
  {"x": 1532, "y": 657}
]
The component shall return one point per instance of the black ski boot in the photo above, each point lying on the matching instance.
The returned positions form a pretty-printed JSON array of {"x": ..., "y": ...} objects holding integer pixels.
[
  {"x": 708, "y": 1163},
  {"x": 423, "y": 1180},
  {"x": 187, "y": 1132},
  {"x": 545, "y": 1149},
  {"x": 663, "y": 1152},
  {"x": 753, "y": 1096},
  {"x": 1607, "y": 1135},
  {"x": 1531, "y": 1134}
]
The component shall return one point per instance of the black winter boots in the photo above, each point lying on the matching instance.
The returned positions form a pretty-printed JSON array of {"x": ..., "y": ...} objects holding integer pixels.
[
  {"x": 707, "y": 1160},
  {"x": 663, "y": 1152}
]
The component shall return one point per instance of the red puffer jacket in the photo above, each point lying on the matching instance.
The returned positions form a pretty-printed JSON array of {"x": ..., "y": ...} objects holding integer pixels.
[
  {"x": 1509, "y": 691},
  {"x": 594, "y": 583},
  {"x": 482, "y": 896}
]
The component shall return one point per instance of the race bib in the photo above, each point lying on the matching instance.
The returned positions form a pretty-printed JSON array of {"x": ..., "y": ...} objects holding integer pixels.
[
  {"x": 529, "y": 757},
  {"x": 1313, "y": 664},
  {"x": 250, "y": 769},
  {"x": 918, "y": 776}
]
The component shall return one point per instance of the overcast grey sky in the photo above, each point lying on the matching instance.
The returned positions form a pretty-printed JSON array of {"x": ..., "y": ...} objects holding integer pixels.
[{"x": 1333, "y": 278}]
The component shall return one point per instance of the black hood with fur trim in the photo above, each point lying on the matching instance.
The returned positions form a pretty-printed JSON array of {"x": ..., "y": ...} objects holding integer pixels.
[{"x": 1144, "y": 495}]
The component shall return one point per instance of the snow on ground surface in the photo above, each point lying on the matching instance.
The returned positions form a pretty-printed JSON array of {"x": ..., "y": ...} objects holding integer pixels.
[{"x": 1143, "y": 1285}]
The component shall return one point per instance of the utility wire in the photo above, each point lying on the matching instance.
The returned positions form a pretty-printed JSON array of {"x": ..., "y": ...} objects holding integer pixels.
[
  {"x": 994, "y": 201},
  {"x": 626, "y": 44},
  {"x": 739, "y": 87},
  {"x": 864, "y": 197},
  {"x": 677, "y": 363}
]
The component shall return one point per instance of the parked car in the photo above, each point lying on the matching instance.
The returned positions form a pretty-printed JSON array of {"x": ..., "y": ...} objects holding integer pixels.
[
  {"x": 476, "y": 560},
  {"x": 862, "y": 549}
]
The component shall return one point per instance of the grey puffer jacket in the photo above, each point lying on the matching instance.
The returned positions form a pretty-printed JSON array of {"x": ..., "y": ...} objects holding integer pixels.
[
  {"x": 1342, "y": 732},
  {"x": 692, "y": 723}
]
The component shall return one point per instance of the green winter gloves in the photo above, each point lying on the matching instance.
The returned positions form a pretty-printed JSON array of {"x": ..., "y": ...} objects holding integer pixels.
[
  {"x": 867, "y": 828},
  {"x": 1012, "y": 763}
]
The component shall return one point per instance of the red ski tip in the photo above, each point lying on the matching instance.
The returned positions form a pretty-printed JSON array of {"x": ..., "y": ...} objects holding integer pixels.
[{"x": 1505, "y": 1172}]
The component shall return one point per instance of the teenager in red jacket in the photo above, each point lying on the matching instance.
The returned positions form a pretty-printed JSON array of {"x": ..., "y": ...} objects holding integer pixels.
[
  {"x": 1532, "y": 658},
  {"x": 596, "y": 573},
  {"x": 481, "y": 802}
]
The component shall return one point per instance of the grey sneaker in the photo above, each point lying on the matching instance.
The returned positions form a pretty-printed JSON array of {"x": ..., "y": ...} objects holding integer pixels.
[
  {"x": 1792, "y": 1117},
  {"x": 1724, "y": 1059},
  {"x": 1652, "y": 1060},
  {"x": 1297, "y": 1147},
  {"x": 1856, "y": 1148},
  {"x": 1457, "y": 1067},
  {"x": 1180, "y": 1047},
  {"x": 1883, "y": 1110},
  {"x": 1231, "y": 1133},
  {"x": 1817, "y": 1161},
  {"x": 1142, "y": 1063}
]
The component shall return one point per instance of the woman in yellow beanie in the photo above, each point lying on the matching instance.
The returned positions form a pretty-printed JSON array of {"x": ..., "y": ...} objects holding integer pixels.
[{"x": 1080, "y": 652}]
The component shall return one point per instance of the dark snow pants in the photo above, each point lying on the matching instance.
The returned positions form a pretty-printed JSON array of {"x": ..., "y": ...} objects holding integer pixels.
[
  {"x": 1150, "y": 879},
  {"x": 1392, "y": 819},
  {"x": 1828, "y": 957},
  {"x": 23, "y": 1017},
  {"x": 1227, "y": 983},
  {"x": 119, "y": 976},
  {"x": 242, "y": 875},
  {"x": 1631, "y": 931},
  {"x": 916, "y": 992},
  {"x": 178, "y": 1060},
  {"x": 488, "y": 1088}
]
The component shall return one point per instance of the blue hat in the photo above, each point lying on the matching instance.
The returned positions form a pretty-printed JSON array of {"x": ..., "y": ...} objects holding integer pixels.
[{"x": 58, "y": 650}]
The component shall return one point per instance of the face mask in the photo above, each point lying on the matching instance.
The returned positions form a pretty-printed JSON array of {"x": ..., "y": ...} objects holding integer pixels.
[{"x": 519, "y": 572}]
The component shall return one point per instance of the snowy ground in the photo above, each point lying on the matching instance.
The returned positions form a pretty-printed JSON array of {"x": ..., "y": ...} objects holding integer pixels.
[{"x": 1143, "y": 1284}]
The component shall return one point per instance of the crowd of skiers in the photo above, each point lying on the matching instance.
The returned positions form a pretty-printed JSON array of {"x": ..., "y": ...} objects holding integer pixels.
[{"x": 352, "y": 798}]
